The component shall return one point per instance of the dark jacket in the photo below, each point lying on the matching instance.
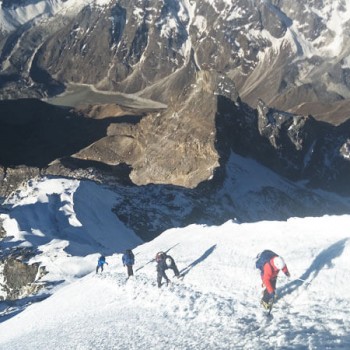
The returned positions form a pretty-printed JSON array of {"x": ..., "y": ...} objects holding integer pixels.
[
  {"x": 162, "y": 265},
  {"x": 128, "y": 258}
]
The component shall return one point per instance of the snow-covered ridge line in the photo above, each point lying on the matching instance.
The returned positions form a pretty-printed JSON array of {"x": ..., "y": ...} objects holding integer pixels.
[{"x": 16, "y": 16}]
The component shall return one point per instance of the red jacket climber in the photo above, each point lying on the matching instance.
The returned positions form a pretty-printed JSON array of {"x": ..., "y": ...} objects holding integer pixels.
[{"x": 270, "y": 272}]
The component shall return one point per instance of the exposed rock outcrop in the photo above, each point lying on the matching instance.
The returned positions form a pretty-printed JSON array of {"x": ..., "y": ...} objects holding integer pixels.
[
  {"x": 12, "y": 178},
  {"x": 18, "y": 278},
  {"x": 183, "y": 144},
  {"x": 175, "y": 146},
  {"x": 297, "y": 147},
  {"x": 2, "y": 230}
]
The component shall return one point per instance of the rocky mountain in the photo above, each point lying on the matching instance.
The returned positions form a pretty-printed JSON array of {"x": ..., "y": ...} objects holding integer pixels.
[
  {"x": 291, "y": 55},
  {"x": 191, "y": 82},
  {"x": 187, "y": 144}
]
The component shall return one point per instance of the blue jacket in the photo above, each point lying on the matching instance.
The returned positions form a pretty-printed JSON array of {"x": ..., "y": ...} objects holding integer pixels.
[
  {"x": 128, "y": 258},
  {"x": 101, "y": 261}
]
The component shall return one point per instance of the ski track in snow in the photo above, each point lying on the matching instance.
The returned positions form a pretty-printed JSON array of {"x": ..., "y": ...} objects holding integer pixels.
[{"x": 216, "y": 305}]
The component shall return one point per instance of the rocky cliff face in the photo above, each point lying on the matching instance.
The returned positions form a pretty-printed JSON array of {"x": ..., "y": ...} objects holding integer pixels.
[
  {"x": 184, "y": 144},
  {"x": 188, "y": 70},
  {"x": 2, "y": 230},
  {"x": 297, "y": 147},
  {"x": 173, "y": 146},
  {"x": 18, "y": 278}
]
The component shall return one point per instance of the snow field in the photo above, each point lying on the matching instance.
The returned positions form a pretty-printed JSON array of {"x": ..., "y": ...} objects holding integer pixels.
[{"x": 216, "y": 306}]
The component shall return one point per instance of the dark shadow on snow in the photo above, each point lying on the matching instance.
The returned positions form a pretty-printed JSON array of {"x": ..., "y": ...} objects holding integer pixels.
[
  {"x": 34, "y": 133},
  {"x": 42, "y": 222},
  {"x": 324, "y": 259},
  {"x": 47, "y": 218},
  {"x": 11, "y": 308},
  {"x": 187, "y": 269}
]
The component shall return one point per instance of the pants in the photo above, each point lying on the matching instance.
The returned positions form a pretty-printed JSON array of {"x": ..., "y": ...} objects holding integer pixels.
[
  {"x": 160, "y": 275},
  {"x": 99, "y": 267},
  {"x": 130, "y": 270},
  {"x": 266, "y": 295}
]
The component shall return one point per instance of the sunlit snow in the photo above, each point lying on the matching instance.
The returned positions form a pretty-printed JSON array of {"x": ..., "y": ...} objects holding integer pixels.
[{"x": 216, "y": 306}]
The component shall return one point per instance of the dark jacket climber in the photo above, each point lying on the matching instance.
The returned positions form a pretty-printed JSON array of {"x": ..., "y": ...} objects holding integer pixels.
[
  {"x": 128, "y": 259},
  {"x": 165, "y": 262}
]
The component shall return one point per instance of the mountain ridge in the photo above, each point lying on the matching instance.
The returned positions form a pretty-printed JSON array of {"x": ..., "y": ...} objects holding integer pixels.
[{"x": 297, "y": 50}]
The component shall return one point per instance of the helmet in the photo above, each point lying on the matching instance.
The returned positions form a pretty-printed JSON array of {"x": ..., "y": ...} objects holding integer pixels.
[
  {"x": 279, "y": 262},
  {"x": 168, "y": 262}
]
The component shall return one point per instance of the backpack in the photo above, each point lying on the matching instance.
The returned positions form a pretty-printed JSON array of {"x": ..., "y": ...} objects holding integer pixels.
[
  {"x": 263, "y": 258},
  {"x": 168, "y": 262},
  {"x": 129, "y": 253},
  {"x": 130, "y": 257}
]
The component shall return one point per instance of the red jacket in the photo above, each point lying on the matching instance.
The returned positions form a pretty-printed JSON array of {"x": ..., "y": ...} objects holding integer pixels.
[{"x": 270, "y": 272}]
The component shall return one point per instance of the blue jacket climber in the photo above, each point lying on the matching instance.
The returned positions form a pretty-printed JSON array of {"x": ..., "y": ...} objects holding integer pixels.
[
  {"x": 128, "y": 260},
  {"x": 100, "y": 262}
]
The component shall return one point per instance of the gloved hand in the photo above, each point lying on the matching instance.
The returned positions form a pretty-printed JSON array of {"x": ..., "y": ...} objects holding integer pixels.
[{"x": 288, "y": 274}]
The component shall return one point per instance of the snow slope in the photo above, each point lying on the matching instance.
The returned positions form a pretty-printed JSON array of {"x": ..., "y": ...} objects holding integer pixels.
[
  {"x": 216, "y": 306},
  {"x": 68, "y": 222}
]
